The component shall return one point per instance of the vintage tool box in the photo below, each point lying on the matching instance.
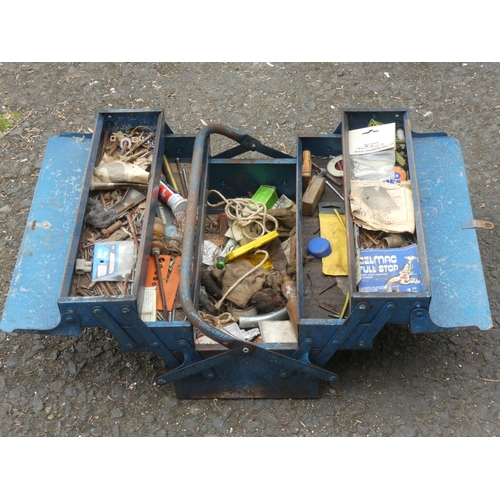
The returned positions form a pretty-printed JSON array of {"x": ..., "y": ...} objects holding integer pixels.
[{"x": 54, "y": 289}]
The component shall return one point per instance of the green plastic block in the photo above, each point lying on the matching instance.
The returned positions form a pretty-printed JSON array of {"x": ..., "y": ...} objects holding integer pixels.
[{"x": 266, "y": 195}]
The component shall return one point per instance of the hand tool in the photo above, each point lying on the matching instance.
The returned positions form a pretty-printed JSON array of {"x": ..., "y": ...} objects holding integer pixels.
[
  {"x": 306, "y": 168},
  {"x": 157, "y": 246},
  {"x": 329, "y": 184},
  {"x": 107, "y": 232},
  {"x": 172, "y": 286},
  {"x": 152, "y": 277},
  {"x": 242, "y": 250},
  {"x": 131, "y": 198},
  {"x": 183, "y": 179},
  {"x": 323, "y": 172},
  {"x": 186, "y": 181},
  {"x": 332, "y": 284}
]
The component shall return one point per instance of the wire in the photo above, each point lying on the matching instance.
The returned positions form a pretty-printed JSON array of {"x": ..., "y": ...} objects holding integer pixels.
[{"x": 346, "y": 303}]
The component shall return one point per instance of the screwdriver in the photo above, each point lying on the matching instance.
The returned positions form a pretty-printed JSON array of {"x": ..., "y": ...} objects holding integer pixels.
[{"x": 156, "y": 247}]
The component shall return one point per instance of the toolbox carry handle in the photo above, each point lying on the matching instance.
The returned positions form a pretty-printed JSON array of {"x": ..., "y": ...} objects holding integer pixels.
[{"x": 188, "y": 246}]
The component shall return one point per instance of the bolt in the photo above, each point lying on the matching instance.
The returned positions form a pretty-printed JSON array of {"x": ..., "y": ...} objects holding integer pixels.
[
  {"x": 283, "y": 375},
  {"x": 362, "y": 343},
  {"x": 419, "y": 314},
  {"x": 183, "y": 343},
  {"x": 70, "y": 319},
  {"x": 210, "y": 376},
  {"x": 130, "y": 346},
  {"x": 160, "y": 381},
  {"x": 391, "y": 306},
  {"x": 125, "y": 309},
  {"x": 335, "y": 343},
  {"x": 155, "y": 344},
  {"x": 362, "y": 307},
  {"x": 246, "y": 350},
  {"x": 97, "y": 311}
]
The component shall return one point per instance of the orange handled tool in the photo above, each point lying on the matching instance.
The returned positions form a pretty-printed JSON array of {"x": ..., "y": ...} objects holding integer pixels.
[{"x": 172, "y": 286}]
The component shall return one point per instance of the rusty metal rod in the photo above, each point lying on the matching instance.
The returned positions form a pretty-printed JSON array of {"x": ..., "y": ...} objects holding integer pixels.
[
  {"x": 169, "y": 174},
  {"x": 183, "y": 179},
  {"x": 131, "y": 227},
  {"x": 329, "y": 184}
]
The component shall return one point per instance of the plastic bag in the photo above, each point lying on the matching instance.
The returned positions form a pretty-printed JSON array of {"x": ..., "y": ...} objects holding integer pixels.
[{"x": 113, "y": 260}]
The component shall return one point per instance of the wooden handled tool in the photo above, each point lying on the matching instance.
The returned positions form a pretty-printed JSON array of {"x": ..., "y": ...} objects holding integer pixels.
[
  {"x": 306, "y": 168},
  {"x": 156, "y": 247}
]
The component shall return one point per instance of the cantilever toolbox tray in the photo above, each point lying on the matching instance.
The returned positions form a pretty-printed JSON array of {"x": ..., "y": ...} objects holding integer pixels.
[{"x": 55, "y": 288}]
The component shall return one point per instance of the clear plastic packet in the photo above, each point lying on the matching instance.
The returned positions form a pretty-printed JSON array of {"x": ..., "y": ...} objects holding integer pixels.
[{"x": 113, "y": 260}]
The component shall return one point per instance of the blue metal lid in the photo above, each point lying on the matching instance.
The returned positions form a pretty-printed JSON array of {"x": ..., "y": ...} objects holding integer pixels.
[
  {"x": 453, "y": 253},
  {"x": 319, "y": 248},
  {"x": 32, "y": 303}
]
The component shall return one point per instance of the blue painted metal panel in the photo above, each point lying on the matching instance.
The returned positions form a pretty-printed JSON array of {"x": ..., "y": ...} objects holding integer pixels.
[
  {"x": 458, "y": 290},
  {"x": 36, "y": 283}
]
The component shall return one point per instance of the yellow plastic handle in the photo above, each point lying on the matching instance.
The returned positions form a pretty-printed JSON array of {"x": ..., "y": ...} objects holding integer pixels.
[{"x": 238, "y": 252}]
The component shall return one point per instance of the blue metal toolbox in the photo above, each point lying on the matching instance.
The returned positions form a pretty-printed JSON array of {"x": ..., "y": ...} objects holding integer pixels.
[{"x": 55, "y": 288}]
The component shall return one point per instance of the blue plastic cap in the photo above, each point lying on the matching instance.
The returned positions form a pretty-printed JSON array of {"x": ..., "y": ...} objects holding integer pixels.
[{"x": 319, "y": 248}]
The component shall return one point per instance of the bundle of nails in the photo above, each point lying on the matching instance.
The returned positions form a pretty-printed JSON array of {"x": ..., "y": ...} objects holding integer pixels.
[
  {"x": 133, "y": 144},
  {"x": 370, "y": 239}
]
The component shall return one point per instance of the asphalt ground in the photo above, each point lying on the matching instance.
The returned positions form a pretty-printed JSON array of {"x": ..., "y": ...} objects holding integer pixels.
[{"x": 432, "y": 385}]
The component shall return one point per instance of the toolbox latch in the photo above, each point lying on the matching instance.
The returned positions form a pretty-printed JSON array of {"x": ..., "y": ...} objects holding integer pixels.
[{"x": 478, "y": 224}]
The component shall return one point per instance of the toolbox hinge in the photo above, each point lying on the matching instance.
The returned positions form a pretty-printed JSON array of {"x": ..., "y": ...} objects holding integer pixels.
[
  {"x": 140, "y": 337},
  {"x": 342, "y": 334},
  {"x": 287, "y": 365},
  {"x": 420, "y": 322},
  {"x": 365, "y": 338}
]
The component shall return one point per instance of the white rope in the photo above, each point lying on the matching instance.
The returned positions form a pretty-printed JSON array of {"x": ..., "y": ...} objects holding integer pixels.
[{"x": 246, "y": 214}]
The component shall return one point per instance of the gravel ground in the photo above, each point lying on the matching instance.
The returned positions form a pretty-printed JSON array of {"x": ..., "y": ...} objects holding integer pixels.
[{"x": 408, "y": 385}]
